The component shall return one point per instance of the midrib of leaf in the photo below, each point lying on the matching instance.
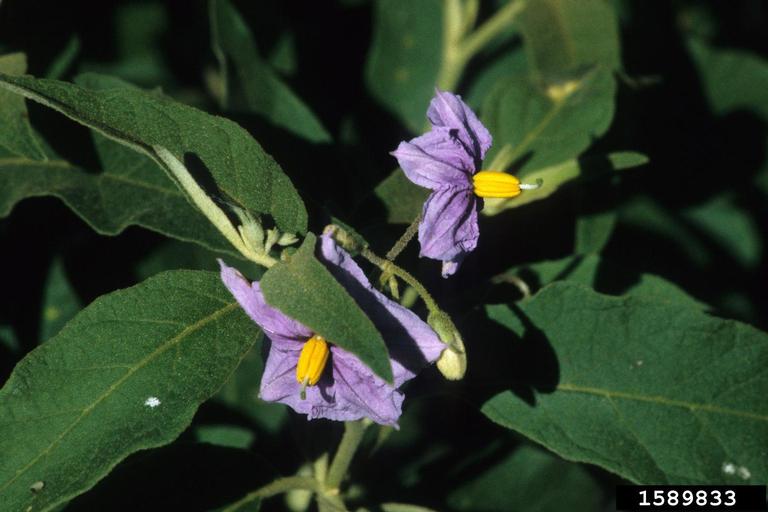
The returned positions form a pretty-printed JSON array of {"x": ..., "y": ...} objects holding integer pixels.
[
  {"x": 61, "y": 164},
  {"x": 28, "y": 162},
  {"x": 545, "y": 121},
  {"x": 172, "y": 342},
  {"x": 661, "y": 400},
  {"x": 105, "y": 130},
  {"x": 532, "y": 135}
]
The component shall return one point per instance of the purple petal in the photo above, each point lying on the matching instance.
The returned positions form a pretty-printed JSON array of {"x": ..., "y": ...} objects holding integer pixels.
[
  {"x": 360, "y": 394},
  {"x": 435, "y": 159},
  {"x": 449, "y": 226},
  {"x": 448, "y": 110},
  {"x": 284, "y": 331},
  {"x": 412, "y": 343},
  {"x": 347, "y": 390},
  {"x": 279, "y": 384}
]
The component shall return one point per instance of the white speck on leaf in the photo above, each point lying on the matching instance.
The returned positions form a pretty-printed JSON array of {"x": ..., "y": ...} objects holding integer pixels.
[
  {"x": 37, "y": 486},
  {"x": 729, "y": 468},
  {"x": 152, "y": 402},
  {"x": 744, "y": 473}
]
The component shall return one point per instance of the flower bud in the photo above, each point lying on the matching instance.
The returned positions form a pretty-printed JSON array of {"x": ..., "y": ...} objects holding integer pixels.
[
  {"x": 349, "y": 241},
  {"x": 453, "y": 361}
]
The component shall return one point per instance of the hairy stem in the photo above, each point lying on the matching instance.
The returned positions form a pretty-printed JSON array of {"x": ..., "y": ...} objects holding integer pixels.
[
  {"x": 353, "y": 434},
  {"x": 404, "y": 239},
  {"x": 387, "y": 266}
]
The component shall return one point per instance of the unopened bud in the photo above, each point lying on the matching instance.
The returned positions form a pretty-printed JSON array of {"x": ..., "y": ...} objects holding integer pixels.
[
  {"x": 453, "y": 361},
  {"x": 350, "y": 242},
  {"x": 287, "y": 239},
  {"x": 273, "y": 235},
  {"x": 251, "y": 232}
]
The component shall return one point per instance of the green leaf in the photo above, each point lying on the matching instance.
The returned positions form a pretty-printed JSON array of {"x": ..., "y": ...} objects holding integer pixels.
[
  {"x": 404, "y": 59},
  {"x": 555, "y": 176},
  {"x": 402, "y": 199},
  {"x": 732, "y": 79},
  {"x": 654, "y": 391},
  {"x": 567, "y": 99},
  {"x": 60, "y": 303},
  {"x": 264, "y": 91},
  {"x": 126, "y": 374},
  {"x": 139, "y": 31},
  {"x": 64, "y": 60},
  {"x": 562, "y": 36},
  {"x": 163, "y": 129},
  {"x": 593, "y": 231},
  {"x": 228, "y": 436},
  {"x": 532, "y": 481},
  {"x": 604, "y": 275},
  {"x": 545, "y": 124},
  {"x": 305, "y": 290},
  {"x": 16, "y": 134},
  {"x": 131, "y": 190},
  {"x": 732, "y": 227}
]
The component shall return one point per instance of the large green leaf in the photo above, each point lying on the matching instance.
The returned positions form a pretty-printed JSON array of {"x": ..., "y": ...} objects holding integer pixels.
[
  {"x": 126, "y": 374},
  {"x": 168, "y": 131},
  {"x": 654, "y": 391},
  {"x": 532, "y": 481},
  {"x": 264, "y": 91},
  {"x": 130, "y": 190},
  {"x": 404, "y": 59},
  {"x": 567, "y": 99},
  {"x": 548, "y": 124},
  {"x": 304, "y": 289}
]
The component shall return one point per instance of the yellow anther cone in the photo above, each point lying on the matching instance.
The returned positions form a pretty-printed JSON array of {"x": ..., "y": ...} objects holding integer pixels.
[
  {"x": 495, "y": 184},
  {"x": 312, "y": 360}
]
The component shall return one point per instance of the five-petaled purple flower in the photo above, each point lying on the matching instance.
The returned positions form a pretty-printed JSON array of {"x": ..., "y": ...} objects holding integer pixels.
[
  {"x": 447, "y": 160},
  {"x": 322, "y": 380}
]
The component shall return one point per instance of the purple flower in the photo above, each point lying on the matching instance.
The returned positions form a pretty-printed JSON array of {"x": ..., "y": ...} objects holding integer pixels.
[
  {"x": 446, "y": 160},
  {"x": 315, "y": 377}
]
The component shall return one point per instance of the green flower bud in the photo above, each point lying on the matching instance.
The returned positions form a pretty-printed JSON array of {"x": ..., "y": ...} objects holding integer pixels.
[{"x": 453, "y": 361}]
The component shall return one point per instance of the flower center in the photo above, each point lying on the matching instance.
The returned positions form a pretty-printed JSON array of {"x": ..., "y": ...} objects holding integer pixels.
[
  {"x": 312, "y": 361},
  {"x": 496, "y": 184}
]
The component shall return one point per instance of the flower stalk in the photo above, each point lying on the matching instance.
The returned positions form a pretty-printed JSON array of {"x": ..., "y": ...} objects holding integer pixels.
[{"x": 350, "y": 441}]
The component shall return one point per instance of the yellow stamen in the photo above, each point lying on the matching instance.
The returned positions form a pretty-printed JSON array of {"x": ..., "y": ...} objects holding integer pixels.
[
  {"x": 496, "y": 184},
  {"x": 312, "y": 361}
]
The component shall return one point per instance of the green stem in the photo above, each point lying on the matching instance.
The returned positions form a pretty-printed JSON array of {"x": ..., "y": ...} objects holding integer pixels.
[
  {"x": 459, "y": 48},
  {"x": 403, "y": 241},
  {"x": 491, "y": 28},
  {"x": 207, "y": 206},
  {"x": 279, "y": 486},
  {"x": 353, "y": 434},
  {"x": 453, "y": 30},
  {"x": 387, "y": 266}
]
